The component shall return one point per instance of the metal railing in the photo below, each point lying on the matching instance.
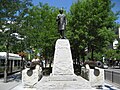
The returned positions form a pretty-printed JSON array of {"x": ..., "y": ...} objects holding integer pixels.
[{"x": 112, "y": 76}]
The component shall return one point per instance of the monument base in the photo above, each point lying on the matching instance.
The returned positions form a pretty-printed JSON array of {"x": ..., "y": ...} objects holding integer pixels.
[
  {"x": 63, "y": 63},
  {"x": 62, "y": 76},
  {"x": 63, "y": 82}
]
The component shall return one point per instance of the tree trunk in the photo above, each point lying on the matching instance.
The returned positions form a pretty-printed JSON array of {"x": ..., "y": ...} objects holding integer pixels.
[
  {"x": 92, "y": 56},
  {"x": 6, "y": 61}
]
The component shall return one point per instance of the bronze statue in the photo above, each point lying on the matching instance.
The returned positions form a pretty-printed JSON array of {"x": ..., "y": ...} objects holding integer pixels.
[{"x": 62, "y": 22}]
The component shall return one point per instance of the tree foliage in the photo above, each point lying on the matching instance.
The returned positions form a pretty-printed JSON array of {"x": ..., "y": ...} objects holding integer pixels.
[
  {"x": 91, "y": 25},
  {"x": 12, "y": 15},
  {"x": 90, "y": 28},
  {"x": 41, "y": 29}
]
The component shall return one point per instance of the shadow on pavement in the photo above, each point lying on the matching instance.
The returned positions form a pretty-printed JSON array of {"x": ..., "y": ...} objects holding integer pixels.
[{"x": 14, "y": 77}]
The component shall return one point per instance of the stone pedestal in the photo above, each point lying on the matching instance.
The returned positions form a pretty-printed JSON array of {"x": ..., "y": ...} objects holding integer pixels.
[
  {"x": 94, "y": 76},
  {"x": 96, "y": 80},
  {"x": 63, "y": 64},
  {"x": 31, "y": 77},
  {"x": 63, "y": 77}
]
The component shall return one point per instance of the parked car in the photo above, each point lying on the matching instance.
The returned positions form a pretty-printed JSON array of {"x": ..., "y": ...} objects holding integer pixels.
[{"x": 105, "y": 66}]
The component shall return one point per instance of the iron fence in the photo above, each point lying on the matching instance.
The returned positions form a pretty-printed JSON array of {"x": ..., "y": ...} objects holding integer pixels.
[{"x": 112, "y": 76}]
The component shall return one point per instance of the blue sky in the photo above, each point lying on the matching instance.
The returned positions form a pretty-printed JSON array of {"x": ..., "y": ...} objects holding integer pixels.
[
  {"x": 116, "y": 8},
  {"x": 67, "y": 3},
  {"x": 57, "y": 3}
]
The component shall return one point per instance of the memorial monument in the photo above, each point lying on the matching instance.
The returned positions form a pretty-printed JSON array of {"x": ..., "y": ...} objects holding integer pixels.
[
  {"x": 62, "y": 22},
  {"x": 62, "y": 76}
]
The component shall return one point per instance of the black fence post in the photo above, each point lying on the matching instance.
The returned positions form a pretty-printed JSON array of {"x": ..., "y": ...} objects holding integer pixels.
[
  {"x": 105, "y": 74},
  {"x": 112, "y": 76}
]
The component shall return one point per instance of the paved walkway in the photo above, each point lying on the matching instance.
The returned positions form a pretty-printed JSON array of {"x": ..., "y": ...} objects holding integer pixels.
[
  {"x": 15, "y": 81},
  {"x": 12, "y": 82},
  {"x": 113, "y": 78},
  {"x": 112, "y": 86},
  {"x": 106, "y": 87}
]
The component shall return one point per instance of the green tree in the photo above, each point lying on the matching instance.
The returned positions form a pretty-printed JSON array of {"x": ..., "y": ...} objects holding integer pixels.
[
  {"x": 12, "y": 15},
  {"x": 40, "y": 28},
  {"x": 91, "y": 24}
]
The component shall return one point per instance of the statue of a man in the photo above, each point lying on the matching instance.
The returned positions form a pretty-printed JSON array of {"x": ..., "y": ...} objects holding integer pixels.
[{"x": 62, "y": 22}]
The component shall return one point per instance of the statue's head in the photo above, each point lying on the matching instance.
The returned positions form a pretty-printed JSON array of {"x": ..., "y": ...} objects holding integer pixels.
[{"x": 61, "y": 11}]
